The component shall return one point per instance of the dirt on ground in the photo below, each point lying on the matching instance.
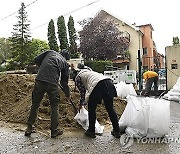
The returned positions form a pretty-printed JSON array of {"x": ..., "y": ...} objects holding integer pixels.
[{"x": 15, "y": 103}]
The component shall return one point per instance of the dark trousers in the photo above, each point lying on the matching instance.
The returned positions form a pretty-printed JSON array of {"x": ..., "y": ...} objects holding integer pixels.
[
  {"x": 37, "y": 95},
  {"x": 149, "y": 83},
  {"x": 105, "y": 91}
]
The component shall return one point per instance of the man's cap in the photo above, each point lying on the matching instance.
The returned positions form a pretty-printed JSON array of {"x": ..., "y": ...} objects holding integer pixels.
[{"x": 65, "y": 54}]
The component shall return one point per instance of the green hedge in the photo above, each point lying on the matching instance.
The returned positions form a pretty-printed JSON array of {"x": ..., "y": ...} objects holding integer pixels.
[
  {"x": 2, "y": 68},
  {"x": 98, "y": 66}
]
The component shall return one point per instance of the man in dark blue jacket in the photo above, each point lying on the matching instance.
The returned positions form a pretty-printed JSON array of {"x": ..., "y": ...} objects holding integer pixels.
[{"x": 53, "y": 68}]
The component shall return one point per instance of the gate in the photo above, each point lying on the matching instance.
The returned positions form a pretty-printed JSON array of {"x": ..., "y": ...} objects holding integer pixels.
[{"x": 156, "y": 64}]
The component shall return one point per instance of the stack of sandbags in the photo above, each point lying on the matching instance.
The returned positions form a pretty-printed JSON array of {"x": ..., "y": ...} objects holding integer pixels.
[
  {"x": 174, "y": 93},
  {"x": 123, "y": 89}
]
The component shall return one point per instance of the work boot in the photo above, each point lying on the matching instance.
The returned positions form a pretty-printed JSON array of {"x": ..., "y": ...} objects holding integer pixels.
[
  {"x": 28, "y": 130},
  {"x": 90, "y": 134},
  {"x": 146, "y": 94},
  {"x": 115, "y": 134},
  {"x": 56, "y": 133}
]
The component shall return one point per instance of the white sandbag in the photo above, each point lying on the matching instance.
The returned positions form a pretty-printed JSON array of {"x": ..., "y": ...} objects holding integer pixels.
[
  {"x": 131, "y": 90},
  {"x": 159, "y": 118},
  {"x": 173, "y": 93},
  {"x": 174, "y": 98},
  {"x": 123, "y": 89},
  {"x": 134, "y": 117},
  {"x": 148, "y": 117},
  {"x": 177, "y": 84},
  {"x": 139, "y": 127},
  {"x": 177, "y": 90},
  {"x": 166, "y": 96},
  {"x": 82, "y": 119}
]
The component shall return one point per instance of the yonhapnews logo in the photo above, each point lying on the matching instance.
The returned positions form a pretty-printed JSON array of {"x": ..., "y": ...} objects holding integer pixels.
[{"x": 127, "y": 141}]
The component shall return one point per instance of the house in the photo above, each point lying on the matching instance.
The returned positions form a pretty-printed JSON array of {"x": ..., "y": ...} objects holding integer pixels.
[
  {"x": 173, "y": 64},
  {"x": 132, "y": 38},
  {"x": 151, "y": 59},
  {"x": 135, "y": 38}
]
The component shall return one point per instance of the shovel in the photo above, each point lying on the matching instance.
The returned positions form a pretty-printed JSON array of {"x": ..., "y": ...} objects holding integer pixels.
[{"x": 75, "y": 109}]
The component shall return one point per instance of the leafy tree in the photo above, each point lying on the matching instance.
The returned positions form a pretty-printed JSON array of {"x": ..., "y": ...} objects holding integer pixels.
[
  {"x": 72, "y": 38},
  {"x": 37, "y": 46},
  {"x": 52, "y": 36},
  {"x": 62, "y": 35},
  {"x": 5, "y": 51},
  {"x": 21, "y": 38},
  {"x": 176, "y": 40},
  {"x": 100, "y": 39}
]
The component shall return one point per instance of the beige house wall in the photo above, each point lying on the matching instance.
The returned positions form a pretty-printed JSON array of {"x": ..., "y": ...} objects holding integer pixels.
[
  {"x": 172, "y": 57},
  {"x": 76, "y": 61},
  {"x": 135, "y": 41}
]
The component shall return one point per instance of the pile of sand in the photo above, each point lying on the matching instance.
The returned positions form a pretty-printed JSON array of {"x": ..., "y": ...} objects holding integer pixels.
[{"x": 15, "y": 102}]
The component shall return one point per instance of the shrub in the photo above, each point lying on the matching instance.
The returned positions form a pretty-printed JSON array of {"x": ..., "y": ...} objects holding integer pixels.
[{"x": 98, "y": 66}]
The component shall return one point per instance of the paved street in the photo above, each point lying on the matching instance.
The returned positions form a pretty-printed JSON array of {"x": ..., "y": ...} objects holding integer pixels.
[{"x": 13, "y": 141}]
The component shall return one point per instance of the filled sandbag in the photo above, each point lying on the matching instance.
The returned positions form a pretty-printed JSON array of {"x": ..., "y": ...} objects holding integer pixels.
[
  {"x": 82, "y": 119},
  {"x": 146, "y": 117}
]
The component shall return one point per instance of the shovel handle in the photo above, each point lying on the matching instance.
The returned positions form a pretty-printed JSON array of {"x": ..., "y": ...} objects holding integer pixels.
[{"x": 73, "y": 105}]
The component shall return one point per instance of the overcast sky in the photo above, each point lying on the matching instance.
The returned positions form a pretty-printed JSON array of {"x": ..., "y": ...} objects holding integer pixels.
[{"x": 162, "y": 14}]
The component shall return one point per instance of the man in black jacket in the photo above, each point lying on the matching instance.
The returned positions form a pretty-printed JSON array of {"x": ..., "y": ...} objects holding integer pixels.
[{"x": 52, "y": 68}]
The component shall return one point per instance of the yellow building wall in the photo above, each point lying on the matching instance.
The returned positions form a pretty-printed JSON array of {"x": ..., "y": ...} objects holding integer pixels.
[{"x": 135, "y": 41}]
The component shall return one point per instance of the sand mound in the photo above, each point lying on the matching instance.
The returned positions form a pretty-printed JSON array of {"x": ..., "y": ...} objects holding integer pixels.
[{"x": 15, "y": 102}]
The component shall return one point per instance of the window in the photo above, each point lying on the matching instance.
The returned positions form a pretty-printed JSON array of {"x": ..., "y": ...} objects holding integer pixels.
[
  {"x": 174, "y": 66},
  {"x": 145, "y": 51}
]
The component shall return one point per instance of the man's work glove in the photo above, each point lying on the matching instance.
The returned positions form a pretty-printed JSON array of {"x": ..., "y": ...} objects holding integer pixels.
[
  {"x": 80, "y": 107},
  {"x": 82, "y": 103}
]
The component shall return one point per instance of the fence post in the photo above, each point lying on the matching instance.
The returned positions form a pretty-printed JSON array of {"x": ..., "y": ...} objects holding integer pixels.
[{"x": 139, "y": 67}]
